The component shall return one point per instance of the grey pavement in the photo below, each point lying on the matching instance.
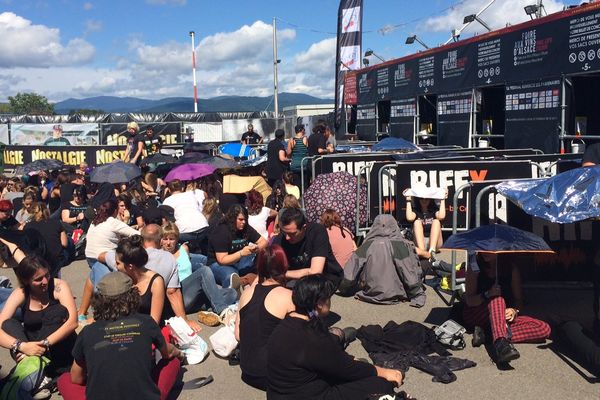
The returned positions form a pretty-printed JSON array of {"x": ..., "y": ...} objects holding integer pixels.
[{"x": 538, "y": 374}]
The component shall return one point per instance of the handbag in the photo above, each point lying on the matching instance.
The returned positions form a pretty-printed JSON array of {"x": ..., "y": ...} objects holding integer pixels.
[{"x": 451, "y": 334}]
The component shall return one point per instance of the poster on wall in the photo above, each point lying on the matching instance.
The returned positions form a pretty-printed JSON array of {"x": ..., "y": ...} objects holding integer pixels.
[
  {"x": 54, "y": 134},
  {"x": 454, "y": 118}
]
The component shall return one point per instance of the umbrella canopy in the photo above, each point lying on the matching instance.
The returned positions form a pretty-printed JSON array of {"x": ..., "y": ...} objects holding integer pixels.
[
  {"x": 497, "y": 238},
  {"x": 115, "y": 172},
  {"x": 220, "y": 162},
  {"x": 193, "y": 158},
  {"x": 159, "y": 158},
  {"x": 394, "y": 144},
  {"x": 337, "y": 191},
  {"x": 39, "y": 165},
  {"x": 189, "y": 172},
  {"x": 564, "y": 198}
]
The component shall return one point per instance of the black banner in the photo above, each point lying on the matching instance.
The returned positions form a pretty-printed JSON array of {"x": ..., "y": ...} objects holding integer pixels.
[
  {"x": 70, "y": 155},
  {"x": 402, "y": 119},
  {"x": 116, "y": 134},
  {"x": 349, "y": 48},
  {"x": 454, "y": 117},
  {"x": 533, "y": 115},
  {"x": 366, "y": 122}
]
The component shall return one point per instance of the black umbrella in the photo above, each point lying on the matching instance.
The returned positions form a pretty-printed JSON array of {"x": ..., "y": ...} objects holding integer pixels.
[
  {"x": 159, "y": 158},
  {"x": 115, "y": 172},
  {"x": 39, "y": 165},
  {"x": 193, "y": 158},
  {"x": 220, "y": 162}
]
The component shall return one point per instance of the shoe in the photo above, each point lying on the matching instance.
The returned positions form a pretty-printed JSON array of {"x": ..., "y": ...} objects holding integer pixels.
[
  {"x": 432, "y": 258},
  {"x": 349, "y": 335},
  {"x": 209, "y": 318},
  {"x": 478, "y": 337},
  {"x": 505, "y": 351}
]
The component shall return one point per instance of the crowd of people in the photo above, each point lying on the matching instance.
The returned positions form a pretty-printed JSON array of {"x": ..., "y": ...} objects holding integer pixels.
[{"x": 157, "y": 250}]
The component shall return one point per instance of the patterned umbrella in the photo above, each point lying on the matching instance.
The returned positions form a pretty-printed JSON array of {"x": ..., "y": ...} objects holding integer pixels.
[
  {"x": 39, "y": 165},
  {"x": 115, "y": 172},
  {"x": 337, "y": 191},
  {"x": 189, "y": 172}
]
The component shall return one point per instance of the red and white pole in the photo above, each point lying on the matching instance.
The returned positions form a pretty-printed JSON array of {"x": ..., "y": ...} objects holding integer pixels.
[{"x": 193, "y": 35}]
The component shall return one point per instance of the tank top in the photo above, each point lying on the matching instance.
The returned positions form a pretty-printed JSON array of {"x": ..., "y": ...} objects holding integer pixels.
[
  {"x": 184, "y": 264},
  {"x": 39, "y": 324},
  {"x": 146, "y": 298},
  {"x": 256, "y": 326},
  {"x": 298, "y": 153}
]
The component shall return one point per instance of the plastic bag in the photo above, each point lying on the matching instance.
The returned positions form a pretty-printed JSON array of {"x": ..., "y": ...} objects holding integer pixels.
[
  {"x": 223, "y": 341},
  {"x": 193, "y": 346}
]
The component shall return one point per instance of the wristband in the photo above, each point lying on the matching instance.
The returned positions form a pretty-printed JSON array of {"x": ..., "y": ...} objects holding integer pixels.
[
  {"x": 46, "y": 344},
  {"x": 16, "y": 345}
]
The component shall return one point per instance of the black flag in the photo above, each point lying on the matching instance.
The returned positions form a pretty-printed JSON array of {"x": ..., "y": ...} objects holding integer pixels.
[{"x": 349, "y": 43}]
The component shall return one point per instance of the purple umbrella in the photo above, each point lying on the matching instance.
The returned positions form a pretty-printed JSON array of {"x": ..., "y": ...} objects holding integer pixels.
[{"x": 189, "y": 172}]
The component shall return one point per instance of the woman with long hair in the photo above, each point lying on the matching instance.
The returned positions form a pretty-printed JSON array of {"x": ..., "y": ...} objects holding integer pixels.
[
  {"x": 340, "y": 238},
  {"x": 232, "y": 247},
  {"x": 24, "y": 214},
  {"x": 113, "y": 357},
  {"x": 48, "y": 316},
  {"x": 128, "y": 213},
  {"x": 426, "y": 216},
  {"x": 278, "y": 193},
  {"x": 305, "y": 362},
  {"x": 55, "y": 237},
  {"x": 258, "y": 214},
  {"x": 131, "y": 258},
  {"x": 262, "y": 306}
]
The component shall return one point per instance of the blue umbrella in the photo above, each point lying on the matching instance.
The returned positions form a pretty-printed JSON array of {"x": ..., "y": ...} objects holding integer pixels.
[
  {"x": 497, "y": 238},
  {"x": 568, "y": 197},
  {"x": 394, "y": 144}
]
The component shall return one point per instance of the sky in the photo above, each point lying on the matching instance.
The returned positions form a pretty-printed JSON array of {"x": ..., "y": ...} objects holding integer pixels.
[{"x": 141, "y": 48}]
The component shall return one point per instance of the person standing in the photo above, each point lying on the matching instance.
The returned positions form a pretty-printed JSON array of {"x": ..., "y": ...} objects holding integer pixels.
[
  {"x": 251, "y": 137},
  {"x": 297, "y": 150},
  {"x": 135, "y": 145},
  {"x": 57, "y": 139},
  {"x": 317, "y": 142},
  {"x": 152, "y": 143},
  {"x": 277, "y": 162}
]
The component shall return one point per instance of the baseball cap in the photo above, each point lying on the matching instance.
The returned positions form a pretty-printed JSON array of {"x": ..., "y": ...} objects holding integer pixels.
[
  {"x": 114, "y": 284},
  {"x": 167, "y": 212},
  {"x": 6, "y": 205}
]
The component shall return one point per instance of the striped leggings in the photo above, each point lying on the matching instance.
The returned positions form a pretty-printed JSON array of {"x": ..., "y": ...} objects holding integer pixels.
[{"x": 492, "y": 313}]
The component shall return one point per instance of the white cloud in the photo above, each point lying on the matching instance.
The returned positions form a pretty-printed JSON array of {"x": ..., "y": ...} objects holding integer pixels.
[
  {"x": 92, "y": 25},
  {"x": 24, "y": 44},
  {"x": 167, "y": 2},
  {"x": 88, "y": 6},
  {"x": 497, "y": 16}
]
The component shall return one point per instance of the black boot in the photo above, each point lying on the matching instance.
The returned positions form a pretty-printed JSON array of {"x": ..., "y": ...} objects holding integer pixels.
[
  {"x": 505, "y": 351},
  {"x": 478, "y": 337}
]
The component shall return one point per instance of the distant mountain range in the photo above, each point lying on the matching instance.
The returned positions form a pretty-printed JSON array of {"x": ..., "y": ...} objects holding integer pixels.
[{"x": 184, "y": 104}]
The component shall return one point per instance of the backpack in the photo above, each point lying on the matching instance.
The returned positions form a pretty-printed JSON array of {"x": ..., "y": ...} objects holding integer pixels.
[{"x": 24, "y": 379}]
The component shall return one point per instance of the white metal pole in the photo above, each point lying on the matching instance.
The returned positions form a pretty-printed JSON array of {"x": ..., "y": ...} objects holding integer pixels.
[
  {"x": 275, "y": 62},
  {"x": 193, "y": 35}
]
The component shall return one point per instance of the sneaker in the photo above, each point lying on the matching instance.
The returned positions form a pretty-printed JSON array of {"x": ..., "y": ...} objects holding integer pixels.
[
  {"x": 432, "y": 255},
  {"x": 505, "y": 351},
  {"x": 349, "y": 335},
  {"x": 209, "y": 318},
  {"x": 478, "y": 337},
  {"x": 235, "y": 283}
]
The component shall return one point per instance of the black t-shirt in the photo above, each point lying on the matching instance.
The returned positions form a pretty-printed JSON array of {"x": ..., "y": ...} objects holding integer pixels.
[
  {"x": 251, "y": 137},
  {"x": 223, "y": 240},
  {"x": 316, "y": 141},
  {"x": 592, "y": 154},
  {"x": 314, "y": 244},
  {"x": 132, "y": 144},
  {"x": 275, "y": 167},
  {"x": 152, "y": 144},
  {"x": 66, "y": 192},
  {"x": 10, "y": 223},
  {"x": 50, "y": 230},
  {"x": 118, "y": 358}
]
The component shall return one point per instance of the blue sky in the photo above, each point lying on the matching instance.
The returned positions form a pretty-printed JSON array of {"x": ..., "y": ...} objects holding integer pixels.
[{"x": 141, "y": 48}]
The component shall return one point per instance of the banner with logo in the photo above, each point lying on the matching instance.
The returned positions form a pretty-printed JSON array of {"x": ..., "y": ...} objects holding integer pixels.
[
  {"x": 67, "y": 134},
  {"x": 349, "y": 48},
  {"x": 15, "y": 156},
  {"x": 115, "y": 134}
]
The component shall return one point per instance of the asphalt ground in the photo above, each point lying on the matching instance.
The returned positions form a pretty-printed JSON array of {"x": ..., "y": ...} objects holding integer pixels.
[{"x": 538, "y": 374}]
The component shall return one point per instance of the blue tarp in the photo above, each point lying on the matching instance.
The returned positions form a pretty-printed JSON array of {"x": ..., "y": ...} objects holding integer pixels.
[
  {"x": 568, "y": 197},
  {"x": 394, "y": 144}
]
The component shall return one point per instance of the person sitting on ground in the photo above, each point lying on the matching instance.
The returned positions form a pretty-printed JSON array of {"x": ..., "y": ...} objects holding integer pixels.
[
  {"x": 73, "y": 212},
  {"x": 128, "y": 213},
  {"x": 304, "y": 361},
  {"x": 289, "y": 201},
  {"x": 258, "y": 214},
  {"x": 262, "y": 306},
  {"x": 340, "y": 238},
  {"x": 232, "y": 247},
  {"x": 113, "y": 356},
  {"x": 131, "y": 259},
  {"x": 427, "y": 217},
  {"x": 492, "y": 301},
  {"x": 290, "y": 187},
  {"x": 307, "y": 248},
  {"x": 48, "y": 316},
  {"x": 275, "y": 199},
  {"x": 24, "y": 214},
  {"x": 188, "y": 213},
  {"x": 7, "y": 221},
  {"x": 198, "y": 283}
]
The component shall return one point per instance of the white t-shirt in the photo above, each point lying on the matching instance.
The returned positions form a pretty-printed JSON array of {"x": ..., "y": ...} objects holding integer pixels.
[
  {"x": 188, "y": 211},
  {"x": 259, "y": 222},
  {"x": 105, "y": 236}
]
